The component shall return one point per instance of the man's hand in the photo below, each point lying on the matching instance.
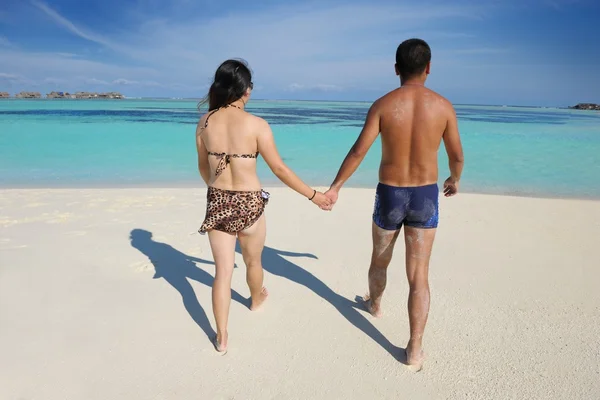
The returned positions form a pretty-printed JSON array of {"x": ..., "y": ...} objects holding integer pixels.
[
  {"x": 322, "y": 201},
  {"x": 332, "y": 195},
  {"x": 450, "y": 187}
]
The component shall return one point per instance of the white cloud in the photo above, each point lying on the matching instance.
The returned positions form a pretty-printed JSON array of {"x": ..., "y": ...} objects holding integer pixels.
[
  {"x": 481, "y": 50},
  {"x": 94, "y": 81},
  {"x": 129, "y": 82},
  {"x": 55, "y": 81},
  {"x": 294, "y": 87},
  {"x": 56, "y": 65},
  {"x": 448, "y": 35},
  {"x": 4, "y": 75},
  {"x": 122, "y": 81},
  {"x": 16, "y": 79},
  {"x": 4, "y": 42},
  {"x": 343, "y": 47},
  {"x": 189, "y": 51},
  {"x": 69, "y": 26},
  {"x": 559, "y": 4},
  {"x": 67, "y": 55},
  {"x": 328, "y": 88}
]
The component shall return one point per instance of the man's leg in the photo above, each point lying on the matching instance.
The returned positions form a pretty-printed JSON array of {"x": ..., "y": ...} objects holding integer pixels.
[
  {"x": 418, "y": 251},
  {"x": 383, "y": 249}
]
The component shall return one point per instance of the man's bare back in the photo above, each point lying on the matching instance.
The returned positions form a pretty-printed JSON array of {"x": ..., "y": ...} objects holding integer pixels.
[{"x": 413, "y": 120}]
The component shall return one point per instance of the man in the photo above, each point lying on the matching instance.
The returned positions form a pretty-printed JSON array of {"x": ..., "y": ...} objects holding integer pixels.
[{"x": 413, "y": 121}]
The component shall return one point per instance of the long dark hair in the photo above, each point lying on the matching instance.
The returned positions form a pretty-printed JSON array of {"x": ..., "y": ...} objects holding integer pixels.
[{"x": 232, "y": 79}]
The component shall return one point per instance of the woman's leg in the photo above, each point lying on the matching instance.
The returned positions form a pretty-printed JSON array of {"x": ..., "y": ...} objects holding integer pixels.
[
  {"x": 252, "y": 242},
  {"x": 223, "y": 249}
]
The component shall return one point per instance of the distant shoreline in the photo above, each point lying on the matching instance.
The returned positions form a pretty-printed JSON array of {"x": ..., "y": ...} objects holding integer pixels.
[
  {"x": 586, "y": 107},
  {"x": 578, "y": 107},
  {"x": 64, "y": 95},
  {"x": 274, "y": 100}
]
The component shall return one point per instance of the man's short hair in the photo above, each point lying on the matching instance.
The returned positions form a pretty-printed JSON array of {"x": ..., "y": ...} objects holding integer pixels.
[{"x": 412, "y": 57}]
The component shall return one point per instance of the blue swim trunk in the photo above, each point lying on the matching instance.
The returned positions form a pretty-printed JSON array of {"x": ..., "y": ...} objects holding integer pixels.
[{"x": 416, "y": 207}]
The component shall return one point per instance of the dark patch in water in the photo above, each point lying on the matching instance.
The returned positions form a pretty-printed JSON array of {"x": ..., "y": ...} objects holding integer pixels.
[
  {"x": 354, "y": 125},
  {"x": 346, "y": 116}
]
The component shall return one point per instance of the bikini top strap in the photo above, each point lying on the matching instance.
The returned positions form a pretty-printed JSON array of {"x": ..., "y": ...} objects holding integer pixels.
[{"x": 209, "y": 115}]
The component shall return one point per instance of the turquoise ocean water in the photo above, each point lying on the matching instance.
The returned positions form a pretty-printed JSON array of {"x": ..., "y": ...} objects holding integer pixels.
[{"x": 70, "y": 143}]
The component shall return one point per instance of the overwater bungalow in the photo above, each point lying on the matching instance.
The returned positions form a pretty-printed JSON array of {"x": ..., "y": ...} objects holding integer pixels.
[{"x": 28, "y": 95}]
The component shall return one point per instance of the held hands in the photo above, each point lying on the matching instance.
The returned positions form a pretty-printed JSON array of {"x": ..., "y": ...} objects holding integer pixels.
[
  {"x": 326, "y": 201},
  {"x": 332, "y": 195},
  {"x": 450, "y": 187},
  {"x": 322, "y": 201}
]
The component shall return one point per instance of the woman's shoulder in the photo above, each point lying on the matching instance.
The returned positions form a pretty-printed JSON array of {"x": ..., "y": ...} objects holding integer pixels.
[
  {"x": 201, "y": 123},
  {"x": 257, "y": 122},
  {"x": 203, "y": 117}
]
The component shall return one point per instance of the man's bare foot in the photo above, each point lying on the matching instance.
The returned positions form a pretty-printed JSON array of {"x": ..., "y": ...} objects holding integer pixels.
[
  {"x": 220, "y": 344},
  {"x": 256, "y": 303},
  {"x": 415, "y": 358},
  {"x": 374, "y": 310}
]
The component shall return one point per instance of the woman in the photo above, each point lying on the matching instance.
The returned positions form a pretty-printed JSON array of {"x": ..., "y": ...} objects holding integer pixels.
[{"x": 228, "y": 141}]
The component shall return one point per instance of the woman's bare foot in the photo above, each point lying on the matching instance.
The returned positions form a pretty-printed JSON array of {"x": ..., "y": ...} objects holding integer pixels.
[
  {"x": 220, "y": 343},
  {"x": 256, "y": 303},
  {"x": 415, "y": 357},
  {"x": 372, "y": 308}
]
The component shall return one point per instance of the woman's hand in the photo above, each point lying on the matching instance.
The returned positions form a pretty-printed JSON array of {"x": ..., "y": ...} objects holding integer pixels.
[{"x": 322, "y": 201}]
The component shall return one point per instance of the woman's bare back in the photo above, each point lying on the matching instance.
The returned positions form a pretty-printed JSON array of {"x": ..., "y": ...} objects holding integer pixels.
[{"x": 229, "y": 136}]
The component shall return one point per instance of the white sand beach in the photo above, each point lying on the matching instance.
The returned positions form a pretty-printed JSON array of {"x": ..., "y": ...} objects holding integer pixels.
[{"x": 86, "y": 314}]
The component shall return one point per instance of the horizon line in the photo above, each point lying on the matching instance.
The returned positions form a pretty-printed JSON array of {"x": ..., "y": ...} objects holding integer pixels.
[{"x": 287, "y": 100}]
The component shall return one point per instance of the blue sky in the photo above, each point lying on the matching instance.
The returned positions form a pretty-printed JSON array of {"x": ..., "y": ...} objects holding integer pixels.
[{"x": 521, "y": 52}]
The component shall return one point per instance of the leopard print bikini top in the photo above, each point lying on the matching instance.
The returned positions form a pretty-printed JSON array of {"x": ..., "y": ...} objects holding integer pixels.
[{"x": 224, "y": 158}]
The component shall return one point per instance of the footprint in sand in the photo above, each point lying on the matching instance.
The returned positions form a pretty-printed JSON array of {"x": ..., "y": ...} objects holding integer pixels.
[
  {"x": 5, "y": 222},
  {"x": 14, "y": 247},
  {"x": 34, "y": 205},
  {"x": 142, "y": 266},
  {"x": 196, "y": 250},
  {"x": 59, "y": 218},
  {"x": 6, "y": 245},
  {"x": 76, "y": 233}
]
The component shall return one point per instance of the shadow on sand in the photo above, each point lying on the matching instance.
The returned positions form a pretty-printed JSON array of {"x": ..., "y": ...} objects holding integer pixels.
[
  {"x": 275, "y": 263},
  {"x": 176, "y": 268}
]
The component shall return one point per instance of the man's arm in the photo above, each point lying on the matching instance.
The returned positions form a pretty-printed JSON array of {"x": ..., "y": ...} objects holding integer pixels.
[
  {"x": 359, "y": 150},
  {"x": 455, "y": 154}
]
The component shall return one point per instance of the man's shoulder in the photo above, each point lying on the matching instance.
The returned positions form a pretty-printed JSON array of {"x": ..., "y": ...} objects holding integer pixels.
[
  {"x": 383, "y": 103},
  {"x": 391, "y": 99},
  {"x": 389, "y": 95},
  {"x": 443, "y": 101}
]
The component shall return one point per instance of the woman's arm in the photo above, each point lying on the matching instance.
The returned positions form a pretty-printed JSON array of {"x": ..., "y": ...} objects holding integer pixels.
[
  {"x": 203, "y": 165},
  {"x": 268, "y": 150}
]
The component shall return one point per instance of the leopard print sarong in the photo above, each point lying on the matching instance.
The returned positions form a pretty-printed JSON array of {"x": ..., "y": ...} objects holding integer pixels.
[{"x": 233, "y": 211}]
